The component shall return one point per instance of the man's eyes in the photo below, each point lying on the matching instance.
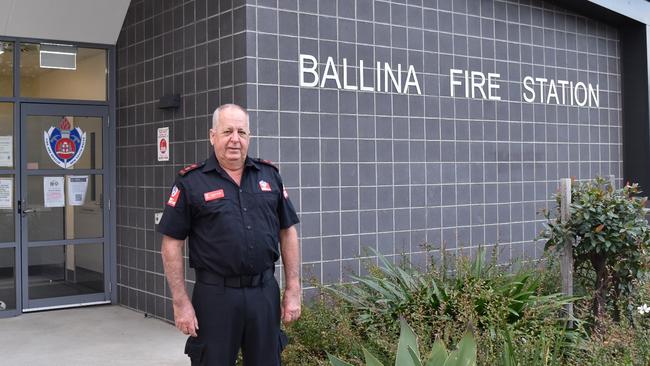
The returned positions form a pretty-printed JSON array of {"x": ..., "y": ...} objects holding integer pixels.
[{"x": 230, "y": 132}]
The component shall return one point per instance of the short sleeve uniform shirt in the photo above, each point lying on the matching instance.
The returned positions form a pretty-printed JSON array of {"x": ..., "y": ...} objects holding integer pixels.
[{"x": 232, "y": 230}]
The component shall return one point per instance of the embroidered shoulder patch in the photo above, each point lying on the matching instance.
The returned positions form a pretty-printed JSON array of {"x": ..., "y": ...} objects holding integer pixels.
[
  {"x": 189, "y": 168},
  {"x": 173, "y": 197},
  {"x": 268, "y": 162}
]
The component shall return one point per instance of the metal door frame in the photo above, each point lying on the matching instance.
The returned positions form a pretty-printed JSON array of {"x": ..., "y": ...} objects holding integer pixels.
[
  {"x": 106, "y": 171},
  {"x": 15, "y": 245},
  {"x": 110, "y": 159}
]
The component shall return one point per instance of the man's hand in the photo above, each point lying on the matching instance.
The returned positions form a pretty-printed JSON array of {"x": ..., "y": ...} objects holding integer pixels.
[
  {"x": 185, "y": 318},
  {"x": 291, "y": 305}
]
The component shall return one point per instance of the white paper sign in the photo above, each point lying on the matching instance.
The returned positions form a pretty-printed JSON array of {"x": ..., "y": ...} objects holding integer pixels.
[
  {"x": 54, "y": 194},
  {"x": 77, "y": 186},
  {"x": 6, "y": 150},
  {"x": 163, "y": 144},
  {"x": 6, "y": 193}
]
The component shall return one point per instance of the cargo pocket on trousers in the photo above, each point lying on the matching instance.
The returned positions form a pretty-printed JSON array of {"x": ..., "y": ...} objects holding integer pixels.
[
  {"x": 284, "y": 340},
  {"x": 194, "y": 350}
]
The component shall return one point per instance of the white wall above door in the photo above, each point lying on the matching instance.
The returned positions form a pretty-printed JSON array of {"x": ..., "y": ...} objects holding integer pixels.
[{"x": 91, "y": 21}]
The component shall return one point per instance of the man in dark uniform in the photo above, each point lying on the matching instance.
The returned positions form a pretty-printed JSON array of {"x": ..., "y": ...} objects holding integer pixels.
[{"x": 234, "y": 210}]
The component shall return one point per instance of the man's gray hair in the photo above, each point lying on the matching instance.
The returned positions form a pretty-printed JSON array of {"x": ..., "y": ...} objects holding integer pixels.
[{"x": 215, "y": 115}]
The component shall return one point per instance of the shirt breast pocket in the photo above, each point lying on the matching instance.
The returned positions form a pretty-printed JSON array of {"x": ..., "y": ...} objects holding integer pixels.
[
  {"x": 267, "y": 200},
  {"x": 267, "y": 203},
  {"x": 217, "y": 208}
]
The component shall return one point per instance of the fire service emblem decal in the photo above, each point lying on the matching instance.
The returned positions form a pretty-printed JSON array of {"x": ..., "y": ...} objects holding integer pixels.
[{"x": 64, "y": 144}]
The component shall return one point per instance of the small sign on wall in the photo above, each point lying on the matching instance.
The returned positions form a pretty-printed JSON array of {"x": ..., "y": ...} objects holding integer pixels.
[{"x": 163, "y": 144}]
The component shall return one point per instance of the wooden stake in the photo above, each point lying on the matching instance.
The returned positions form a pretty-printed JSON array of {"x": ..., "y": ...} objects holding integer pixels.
[{"x": 566, "y": 256}]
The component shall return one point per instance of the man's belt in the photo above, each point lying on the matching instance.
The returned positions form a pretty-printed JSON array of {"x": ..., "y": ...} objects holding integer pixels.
[{"x": 211, "y": 278}]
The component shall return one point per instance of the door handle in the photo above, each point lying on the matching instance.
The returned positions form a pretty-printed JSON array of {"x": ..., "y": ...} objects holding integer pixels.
[{"x": 27, "y": 211}]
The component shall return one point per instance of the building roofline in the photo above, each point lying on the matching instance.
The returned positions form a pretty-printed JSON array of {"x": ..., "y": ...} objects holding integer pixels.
[
  {"x": 638, "y": 10},
  {"x": 616, "y": 12}
]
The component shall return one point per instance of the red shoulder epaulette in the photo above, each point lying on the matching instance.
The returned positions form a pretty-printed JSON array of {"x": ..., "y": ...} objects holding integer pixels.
[
  {"x": 189, "y": 168},
  {"x": 269, "y": 163}
]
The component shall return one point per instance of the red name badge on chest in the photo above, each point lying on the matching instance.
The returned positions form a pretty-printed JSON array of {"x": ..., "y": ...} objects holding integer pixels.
[
  {"x": 214, "y": 195},
  {"x": 265, "y": 186}
]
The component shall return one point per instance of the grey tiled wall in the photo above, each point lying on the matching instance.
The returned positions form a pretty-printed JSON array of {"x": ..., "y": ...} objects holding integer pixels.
[
  {"x": 365, "y": 169},
  {"x": 397, "y": 172},
  {"x": 194, "y": 48}
]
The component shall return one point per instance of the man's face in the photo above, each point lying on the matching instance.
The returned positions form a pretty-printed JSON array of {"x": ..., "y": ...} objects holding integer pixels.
[{"x": 230, "y": 137}]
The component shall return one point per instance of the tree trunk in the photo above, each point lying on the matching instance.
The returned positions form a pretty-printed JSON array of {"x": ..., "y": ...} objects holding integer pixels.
[
  {"x": 616, "y": 294},
  {"x": 599, "y": 305}
]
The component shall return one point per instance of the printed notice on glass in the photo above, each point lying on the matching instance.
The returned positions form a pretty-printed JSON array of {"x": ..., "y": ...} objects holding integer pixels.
[
  {"x": 6, "y": 151},
  {"x": 77, "y": 186},
  {"x": 6, "y": 193},
  {"x": 54, "y": 195}
]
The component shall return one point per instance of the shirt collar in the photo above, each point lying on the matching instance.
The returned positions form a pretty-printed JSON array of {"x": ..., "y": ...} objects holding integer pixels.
[
  {"x": 212, "y": 163},
  {"x": 251, "y": 163}
]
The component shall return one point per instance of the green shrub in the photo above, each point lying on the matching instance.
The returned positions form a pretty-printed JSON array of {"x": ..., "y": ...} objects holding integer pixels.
[
  {"x": 324, "y": 327},
  {"x": 618, "y": 343},
  {"x": 514, "y": 314},
  {"x": 478, "y": 294},
  {"x": 613, "y": 238},
  {"x": 408, "y": 353}
]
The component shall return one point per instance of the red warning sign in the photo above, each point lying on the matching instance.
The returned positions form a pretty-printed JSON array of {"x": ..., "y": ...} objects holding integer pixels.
[{"x": 163, "y": 144}]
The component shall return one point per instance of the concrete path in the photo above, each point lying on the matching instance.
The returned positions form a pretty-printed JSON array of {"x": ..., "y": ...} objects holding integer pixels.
[{"x": 92, "y": 336}]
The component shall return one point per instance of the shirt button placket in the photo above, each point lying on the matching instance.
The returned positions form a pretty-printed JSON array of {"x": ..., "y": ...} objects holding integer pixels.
[{"x": 248, "y": 230}]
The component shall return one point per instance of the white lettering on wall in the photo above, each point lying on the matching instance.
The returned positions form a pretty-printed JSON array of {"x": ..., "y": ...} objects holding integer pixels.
[
  {"x": 330, "y": 73},
  {"x": 312, "y": 70},
  {"x": 384, "y": 77},
  {"x": 362, "y": 74},
  {"x": 473, "y": 81},
  {"x": 393, "y": 77},
  {"x": 346, "y": 84},
  {"x": 453, "y": 82},
  {"x": 594, "y": 95},
  {"x": 412, "y": 80},
  {"x": 560, "y": 92},
  {"x": 530, "y": 96},
  {"x": 478, "y": 85},
  {"x": 535, "y": 89},
  {"x": 492, "y": 85}
]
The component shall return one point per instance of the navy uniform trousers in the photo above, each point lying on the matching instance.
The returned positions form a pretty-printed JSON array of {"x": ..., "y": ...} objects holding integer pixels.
[{"x": 231, "y": 318}]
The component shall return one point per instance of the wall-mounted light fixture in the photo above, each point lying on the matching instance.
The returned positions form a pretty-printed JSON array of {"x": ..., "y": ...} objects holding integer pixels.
[
  {"x": 169, "y": 101},
  {"x": 58, "y": 56}
]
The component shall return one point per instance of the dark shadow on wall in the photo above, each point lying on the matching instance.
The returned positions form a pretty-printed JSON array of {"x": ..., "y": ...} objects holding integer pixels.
[{"x": 635, "y": 48}]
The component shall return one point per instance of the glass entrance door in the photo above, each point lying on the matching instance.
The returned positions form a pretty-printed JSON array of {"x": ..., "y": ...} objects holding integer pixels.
[{"x": 63, "y": 206}]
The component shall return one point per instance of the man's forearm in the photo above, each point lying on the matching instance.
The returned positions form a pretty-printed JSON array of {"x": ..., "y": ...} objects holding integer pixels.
[
  {"x": 172, "y": 255},
  {"x": 290, "y": 257}
]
